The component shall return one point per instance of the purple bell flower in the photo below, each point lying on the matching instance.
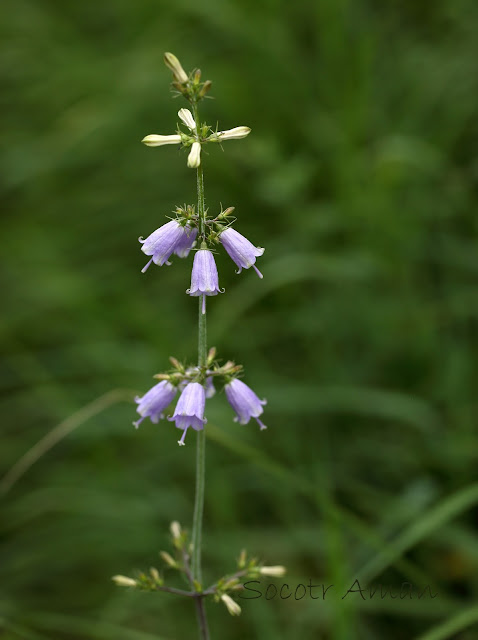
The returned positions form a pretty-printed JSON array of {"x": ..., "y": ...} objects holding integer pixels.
[
  {"x": 204, "y": 277},
  {"x": 186, "y": 243},
  {"x": 162, "y": 242},
  {"x": 243, "y": 252},
  {"x": 154, "y": 402},
  {"x": 189, "y": 411},
  {"x": 244, "y": 402}
]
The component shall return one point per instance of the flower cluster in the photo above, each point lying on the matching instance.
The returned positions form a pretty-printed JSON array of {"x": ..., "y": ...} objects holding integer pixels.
[
  {"x": 195, "y": 137},
  {"x": 195, "y": 385},
  {"x": 179, "y": 236}
]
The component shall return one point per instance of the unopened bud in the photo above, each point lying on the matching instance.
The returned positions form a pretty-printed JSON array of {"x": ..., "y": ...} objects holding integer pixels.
[
  {"x": 205, "y": 88},
  {"x": 175, "y": 529},
  {"x": 162, "y": 376},
  {"x": 168, "y": 559},
  {"x": 176, "y": 364},
  {"x": 155, "y": 574},
  {"x": 211, "y": 355},
  {"x": 232, "y": 134},
  {"x": 197, "y": 76},
  {"x": 194, "y": 157},
  {"x": 173, "y": 63},
  {"x": 276, "y": 572},
  {"x": 241, "y": 562},
  {"x": 124, "y": 581},
  {"x": 232, "y": 606}
]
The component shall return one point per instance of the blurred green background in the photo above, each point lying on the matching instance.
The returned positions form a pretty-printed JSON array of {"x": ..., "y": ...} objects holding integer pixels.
[{"x": 360, "y": 179}]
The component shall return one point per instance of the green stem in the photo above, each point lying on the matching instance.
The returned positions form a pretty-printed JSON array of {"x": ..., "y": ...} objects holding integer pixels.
[{"x": 201, "y": 436}]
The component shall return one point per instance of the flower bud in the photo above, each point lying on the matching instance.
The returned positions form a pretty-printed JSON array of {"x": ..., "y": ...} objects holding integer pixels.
[
  {"x": 124, "y": 581},
  {"x": 232, "y": 134},
  {"x": 211, "y": 355},
  {"x": 155, "y": 574},
  {"x": 231, "y": 605},
  {"x": 197, "y": 76},
  {"x": 205, "y": 88},
  {"x": 275, "y": 572},
  {"x": 175, "y": 529},
  {"x": 154, "y": 140},
  {"x": 194, "y": 157},
  {"x": 173, "y": 63},
  {"x": 241, "y": 562},
  {"x": 187, "y": 117},
  {"x": 168, "y": 559}
]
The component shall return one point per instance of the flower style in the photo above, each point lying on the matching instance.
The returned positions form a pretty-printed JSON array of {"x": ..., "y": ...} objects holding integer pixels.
[
  {"x": 244, "y": 402},
  {"x": 204, "y": 277},
  {"x": 154, "y": 402},
  {"x": 189, "y": 411},
  {"x": 242, "y": 252},
  {"x": 162, "y": 242},
  {"x": 187, "y": 242}
]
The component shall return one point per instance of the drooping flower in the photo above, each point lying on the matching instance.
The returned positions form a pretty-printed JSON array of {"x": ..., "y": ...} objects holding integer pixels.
[
  {"x": 231, "y": 134},
  {"x": 154, "y": 402},
  {"x": 162, "y": 242},
  {"x": 186, "y": 243},
  {"x": 189, "y": 410},
  {"x": 244, "y": 402},
  {"x": 243, "y": 252},
  {"x": 204, "y": 276}
]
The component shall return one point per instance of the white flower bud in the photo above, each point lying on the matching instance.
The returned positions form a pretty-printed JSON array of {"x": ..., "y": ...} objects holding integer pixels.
[
  {"x": 175, "y": 529},
  {"x": 187, "y": 117},
  {"x": 194, "y": 157},
  {"x": 155, "y": 140},
  {"x": 168, "y": 559},
  {"x": 276, "y": 572},
  {"x": 123, "y": 581},
  {"x": 173, "y": 63},
  {"x": 233, "y": 134},
  {"x": 232, "y": 606}
]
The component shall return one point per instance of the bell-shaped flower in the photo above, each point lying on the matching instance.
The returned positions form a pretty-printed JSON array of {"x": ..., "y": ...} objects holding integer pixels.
[
  {"x": 154, "y": 402},
  {"x": 162, "y": 242},
  {"x": 243, "y": 252},
  {"x": 204, "y": 277},
  {"x": 187, "y": 242},
  {"x": 244, "y": 402},
  {"x": 189, "y": 410},
  {"x": 194, "y": 157},
  {"x": 237, "y": 133}
]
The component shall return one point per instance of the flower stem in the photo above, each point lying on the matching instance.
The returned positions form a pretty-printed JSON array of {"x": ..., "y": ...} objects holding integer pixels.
[{"x": 201, "y": 436}]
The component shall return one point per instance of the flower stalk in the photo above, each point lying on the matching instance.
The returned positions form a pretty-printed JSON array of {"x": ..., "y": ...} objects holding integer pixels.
[{"x": 190, "y": 228}]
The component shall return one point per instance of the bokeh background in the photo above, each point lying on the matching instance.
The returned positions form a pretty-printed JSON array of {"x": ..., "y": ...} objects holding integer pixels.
[{"x": 360, "y": 179}]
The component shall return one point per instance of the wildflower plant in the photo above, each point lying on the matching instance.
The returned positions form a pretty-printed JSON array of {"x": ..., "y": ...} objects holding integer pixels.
[{"x": 193, "y": 229}]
